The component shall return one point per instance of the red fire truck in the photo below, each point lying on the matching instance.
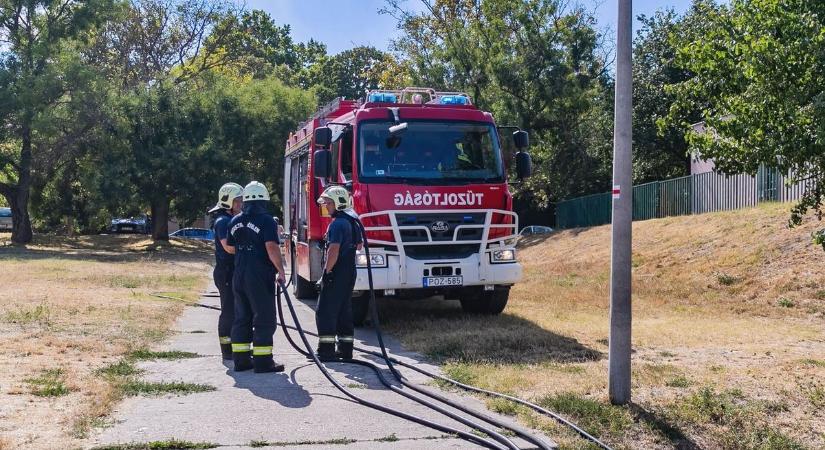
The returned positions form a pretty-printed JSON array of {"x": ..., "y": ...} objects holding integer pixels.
[{"x": 428, "y": 175}]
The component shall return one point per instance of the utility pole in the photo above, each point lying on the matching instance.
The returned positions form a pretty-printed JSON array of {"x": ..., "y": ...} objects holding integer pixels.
[{"x": 622, "y": 220}]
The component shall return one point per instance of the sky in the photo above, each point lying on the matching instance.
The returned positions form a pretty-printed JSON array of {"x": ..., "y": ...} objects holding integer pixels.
[{"x": 343, "y": 24}]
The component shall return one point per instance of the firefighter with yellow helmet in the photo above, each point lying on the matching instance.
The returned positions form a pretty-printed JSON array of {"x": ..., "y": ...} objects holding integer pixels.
[
  {"x": 254, "y": 236},
  {"x": 333, "y": 315},
  {"x": 229, "y": 204}
]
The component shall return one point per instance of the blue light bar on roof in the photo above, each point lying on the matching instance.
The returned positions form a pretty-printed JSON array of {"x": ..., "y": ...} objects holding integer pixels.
[
  {"x": 381, "y": 97},
  {"x": 453, "y": 100}
]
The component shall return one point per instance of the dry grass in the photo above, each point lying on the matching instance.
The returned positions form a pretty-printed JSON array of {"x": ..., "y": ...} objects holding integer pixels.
[
  {"x": 729, "y": 350},
  {"x": 71, "y": 307}
]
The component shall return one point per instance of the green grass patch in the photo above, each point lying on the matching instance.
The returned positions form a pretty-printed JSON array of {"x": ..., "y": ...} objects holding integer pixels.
[
  {"x": 337, "y": 441},
  {"x": 596, "y": 417},
  {"x": 813, "y": 362},
  {"x": 678, "y": 381},
  {"x": 40, "y": 315},
  {"x": 390, "y": 438},
  {"x": 820, "y": 294},
  {"x": 144, "y": 355},
  {"x": 171, "y": 444},
  {"x": 503, "y": 406},
  {"x": 739, "y": 423},
  {"x": 785, "y": 302},
  {"x": 50, "y": 383},
  {"x": 726, "y": 279},
  {"x": 136, "y": 387},
  {"x": 463, "y": 373},
  {"x": 121, "y": 368}
]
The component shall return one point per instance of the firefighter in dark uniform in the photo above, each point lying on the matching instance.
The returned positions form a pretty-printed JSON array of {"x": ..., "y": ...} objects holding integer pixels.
[
  {"x": 254, "y": 236},
  {"x": 229, "y": 204},
  {"x": 333, "y": 316}
]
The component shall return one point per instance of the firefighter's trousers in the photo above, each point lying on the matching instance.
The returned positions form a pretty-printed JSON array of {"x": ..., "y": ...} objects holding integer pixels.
[
  {"x": 333, "y": 315},
  {"x": 254, "y": 288},
  {"x": 222, "y": 275}
]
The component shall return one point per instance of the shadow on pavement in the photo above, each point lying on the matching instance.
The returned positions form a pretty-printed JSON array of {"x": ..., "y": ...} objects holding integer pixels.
[{"x": 278, "y": 387}]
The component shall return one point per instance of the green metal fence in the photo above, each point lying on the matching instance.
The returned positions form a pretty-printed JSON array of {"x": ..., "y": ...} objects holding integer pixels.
[{"x": 693, "y": 194}]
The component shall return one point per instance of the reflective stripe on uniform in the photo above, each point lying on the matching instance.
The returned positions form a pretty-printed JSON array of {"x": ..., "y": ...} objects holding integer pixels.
[
  {"x": 262, "y": 350},
  {"x": 326, "y": 339},
  {"x": 225, "y": 340},
  {"x": 240, "y": 348},
  {"x": 345, "y": 339}
]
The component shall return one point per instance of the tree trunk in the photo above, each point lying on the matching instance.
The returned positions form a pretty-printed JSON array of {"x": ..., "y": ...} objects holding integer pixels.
[
  {"x": 21, "y": 232},
  {"x": 160, "y": 219}
]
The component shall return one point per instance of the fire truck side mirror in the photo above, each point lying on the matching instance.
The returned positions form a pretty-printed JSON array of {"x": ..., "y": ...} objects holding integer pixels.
[
  {"x": 323, "y": 137},
  {"x": 521, "y": 139},
  {"x": 524, "y": 165},
  {"x": 322, "y": 163}
]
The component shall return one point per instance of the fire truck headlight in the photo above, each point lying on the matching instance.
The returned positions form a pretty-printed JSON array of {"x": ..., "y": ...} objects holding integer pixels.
[
  {"x": 502, "y": 256},
  {"x": 375, "y": 260}
]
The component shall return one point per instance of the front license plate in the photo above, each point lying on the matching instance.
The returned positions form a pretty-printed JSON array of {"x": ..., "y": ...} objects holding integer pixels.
[{"x": 442, "y": 281}]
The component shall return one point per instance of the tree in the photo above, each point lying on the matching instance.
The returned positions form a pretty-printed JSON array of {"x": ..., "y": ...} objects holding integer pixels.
[
  {"x": 40, "y": 75},
  {"x": 537, "y": 64},
  {"x": 162, "y": 47},
  {"x": 349, "y": 74},
  {"x": 658, "y": 153},
  {"x": 760, "y": 86}
]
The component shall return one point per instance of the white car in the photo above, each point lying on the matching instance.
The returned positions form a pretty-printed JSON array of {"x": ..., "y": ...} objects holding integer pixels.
[{"x": 5, "y": 219}]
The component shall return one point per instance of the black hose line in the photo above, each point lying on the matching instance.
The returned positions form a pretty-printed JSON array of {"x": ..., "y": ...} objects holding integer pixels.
[
  {"x": 524, "y": 434},
  {"x": 390, "y": 361},
  {"x": 421, "y": 421}
]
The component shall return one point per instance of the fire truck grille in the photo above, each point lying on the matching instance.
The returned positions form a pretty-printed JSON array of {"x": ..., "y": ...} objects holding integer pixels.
[
  {"x": 441, "y": 226},
  {"x": 448, "y": 251}
]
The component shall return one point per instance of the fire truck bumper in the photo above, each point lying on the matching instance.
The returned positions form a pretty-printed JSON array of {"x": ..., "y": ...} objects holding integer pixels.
[{"x": 407, "y": 273}]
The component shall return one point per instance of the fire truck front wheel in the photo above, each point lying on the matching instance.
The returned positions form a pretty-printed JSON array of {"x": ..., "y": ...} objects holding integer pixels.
[
  {"x": 475, "y": 301},
  {"x": 360, "y": 308}
]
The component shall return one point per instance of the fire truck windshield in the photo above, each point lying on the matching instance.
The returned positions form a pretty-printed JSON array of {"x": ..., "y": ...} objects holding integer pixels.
[{"x": 429, "y": 153}]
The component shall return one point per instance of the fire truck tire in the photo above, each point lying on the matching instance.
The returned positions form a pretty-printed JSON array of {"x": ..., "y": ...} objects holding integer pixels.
[
  {"x": 485, "y": 302},
  {"x": 302, "y": 288},
  {"x": 360, "y": 308}
]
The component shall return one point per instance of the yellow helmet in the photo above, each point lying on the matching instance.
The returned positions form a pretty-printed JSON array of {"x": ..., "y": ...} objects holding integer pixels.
[
  {"x": 255, "y": 191},
  {"x": 226, "y": 195},
  {"x": 339, "y": 196}
]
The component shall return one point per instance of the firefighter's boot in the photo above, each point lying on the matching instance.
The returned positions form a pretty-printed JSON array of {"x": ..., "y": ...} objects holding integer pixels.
[
  {"x": 265, "y": 364},
  {"x": 344, "y": 349},
  {"x": 226, "y": 348},
  {"x": 326, "y": 351},
  {"x": 242, "y": 356}
]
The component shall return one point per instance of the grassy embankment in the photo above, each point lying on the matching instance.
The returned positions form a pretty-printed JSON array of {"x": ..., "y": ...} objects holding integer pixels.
[
  {"x": 75, "y": 314},
  {"x": 728, "y": 334}
]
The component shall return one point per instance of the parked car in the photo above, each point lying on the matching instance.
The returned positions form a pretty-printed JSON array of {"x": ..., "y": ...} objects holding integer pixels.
[
  {"x": 535, "y": 229},
  {"x": 201, "y": 234},
  {"x": 5, "y": 218},
  {"x": 140, "y": 224}
]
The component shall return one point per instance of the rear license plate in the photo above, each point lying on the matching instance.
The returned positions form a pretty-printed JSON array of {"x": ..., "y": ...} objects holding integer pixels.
[{"x": 443, "y": 281}]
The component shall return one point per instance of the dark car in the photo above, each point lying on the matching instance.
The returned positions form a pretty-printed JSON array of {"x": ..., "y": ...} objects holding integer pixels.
[
  {"x": 5, "y": 218},
  {"x": 194, "y": 233},
  {"x": 535, "y": 229},
  {"x": 140, "y": 224}
]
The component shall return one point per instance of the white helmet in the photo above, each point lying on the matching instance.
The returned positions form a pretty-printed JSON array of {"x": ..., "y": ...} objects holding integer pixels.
[
  {"x": 226, "y": 195},
  {"x": 255, "y": 191},
  {"x": 339, "y": 196}
]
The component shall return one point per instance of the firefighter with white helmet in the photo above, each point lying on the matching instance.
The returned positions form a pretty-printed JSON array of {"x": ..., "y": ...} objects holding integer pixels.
[
  {"x": 229, "y": 204},
  {"x": 254, "y": 235},
  {"x": 333, "y": 316}
]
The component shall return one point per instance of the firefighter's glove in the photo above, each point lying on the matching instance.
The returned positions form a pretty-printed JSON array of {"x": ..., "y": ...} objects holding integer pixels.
[{"x": 325, "y": 280}]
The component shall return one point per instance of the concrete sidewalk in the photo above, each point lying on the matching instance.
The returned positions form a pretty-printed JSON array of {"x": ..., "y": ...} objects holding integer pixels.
[{"x": 295, "y": 409}]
